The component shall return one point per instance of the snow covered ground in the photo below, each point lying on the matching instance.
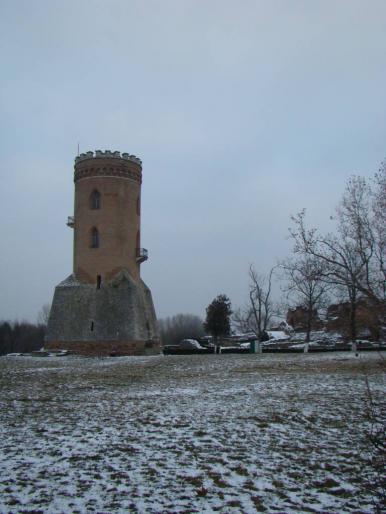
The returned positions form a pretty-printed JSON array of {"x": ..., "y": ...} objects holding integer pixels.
[{"x": 197, "y": 433}]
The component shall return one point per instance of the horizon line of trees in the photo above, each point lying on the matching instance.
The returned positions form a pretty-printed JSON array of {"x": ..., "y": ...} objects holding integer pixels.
[
  {"x": 21, "y": 337},
  {"x": 24, "y": 336}
]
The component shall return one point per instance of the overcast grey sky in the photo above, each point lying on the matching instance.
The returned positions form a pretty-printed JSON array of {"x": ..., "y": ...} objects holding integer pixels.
[{"x": 243, "y": 112}]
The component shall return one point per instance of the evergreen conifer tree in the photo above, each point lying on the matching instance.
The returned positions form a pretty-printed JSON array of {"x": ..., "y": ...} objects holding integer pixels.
[{"x": 218, "y": 314}]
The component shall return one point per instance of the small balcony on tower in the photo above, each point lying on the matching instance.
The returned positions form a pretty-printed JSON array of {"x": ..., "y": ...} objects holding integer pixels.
[
  {"x": 141, "y": 255},
  {"x": 70, "y": 221}
]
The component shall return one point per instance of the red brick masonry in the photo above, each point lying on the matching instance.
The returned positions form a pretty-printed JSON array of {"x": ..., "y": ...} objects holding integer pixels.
[{"x": 106, "y": 348}]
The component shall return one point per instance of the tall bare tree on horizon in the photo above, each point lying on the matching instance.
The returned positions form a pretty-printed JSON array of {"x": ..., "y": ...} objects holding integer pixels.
[
  {"x": 305, "y": 286},
  {"x": 257, "y": 314},
  {"x": 354, "y": 256}
]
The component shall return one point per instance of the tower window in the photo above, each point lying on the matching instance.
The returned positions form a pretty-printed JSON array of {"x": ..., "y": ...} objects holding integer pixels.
[
  {"x": 95, "y": 200},
  {"x": 92, "y": 326},
  {"x": 94, "y": 238},
  {"x": 138, "y": 240},
  {"x": 99, "y": 281},
  {"x": 138, "y": 206}
]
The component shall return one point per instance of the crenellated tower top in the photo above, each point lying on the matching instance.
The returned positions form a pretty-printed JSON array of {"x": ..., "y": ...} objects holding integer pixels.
[
  {"x": 107, "y": 164},
  {"x": 107, "y": 154}
]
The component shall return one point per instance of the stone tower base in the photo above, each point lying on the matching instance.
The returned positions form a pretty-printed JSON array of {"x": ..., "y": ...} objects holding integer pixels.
[{"x": 118, "y": 318}]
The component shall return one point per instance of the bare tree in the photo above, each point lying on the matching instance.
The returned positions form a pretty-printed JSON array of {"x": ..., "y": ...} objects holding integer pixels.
[
  {"x": 257, "y": 314},
  {"x": 361, "y": 218},
  {"x": 180, "y": 326},
  {"x": 378, "y": 204},
  {"x": 343, "y": 265},
  {"x": 306, "y": 286},
  {"x": 355, "y": 255},
  {"x": 44, "y": 314}
]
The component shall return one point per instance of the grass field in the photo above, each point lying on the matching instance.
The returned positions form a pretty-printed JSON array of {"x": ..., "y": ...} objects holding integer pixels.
[{"x": 226, "y": 433}]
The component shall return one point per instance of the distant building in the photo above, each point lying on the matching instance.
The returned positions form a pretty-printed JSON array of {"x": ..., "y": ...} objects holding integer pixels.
[
  {"x": 297, "y": 318},
  {"x": 370, "y": 319},
  {"x": 104, "y": 307}
]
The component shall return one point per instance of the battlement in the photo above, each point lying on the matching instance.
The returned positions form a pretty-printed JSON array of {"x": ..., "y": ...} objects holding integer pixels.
[{"x": 107, "y": 154}]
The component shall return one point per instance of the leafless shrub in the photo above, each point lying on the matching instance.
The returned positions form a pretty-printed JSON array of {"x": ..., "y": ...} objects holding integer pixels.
[{"x": 376, "y": 437}]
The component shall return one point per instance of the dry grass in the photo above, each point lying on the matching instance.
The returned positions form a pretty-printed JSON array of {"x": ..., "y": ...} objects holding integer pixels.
[{"x": 229, "y": 433}]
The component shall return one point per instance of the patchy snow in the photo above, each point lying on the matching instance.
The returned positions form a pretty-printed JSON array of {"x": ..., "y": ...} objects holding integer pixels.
[
  {"x": 318, "y": 336},
  {"x": 278, "y": 335},
  {"x": 199, "y": 433}
]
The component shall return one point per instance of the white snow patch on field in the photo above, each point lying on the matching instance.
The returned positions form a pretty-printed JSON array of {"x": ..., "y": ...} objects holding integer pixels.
[{"x": 200, "y": 433}]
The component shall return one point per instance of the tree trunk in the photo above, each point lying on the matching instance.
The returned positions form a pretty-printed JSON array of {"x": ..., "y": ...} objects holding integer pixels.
[
  {"x": 308, "y": 328},
  {"x": 353, "y": 319}
]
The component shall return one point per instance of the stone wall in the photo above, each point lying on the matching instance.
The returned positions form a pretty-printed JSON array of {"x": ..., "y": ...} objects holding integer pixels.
[
  {"x": 120, "y": 312},
  {"x": 106, "y": 348}
]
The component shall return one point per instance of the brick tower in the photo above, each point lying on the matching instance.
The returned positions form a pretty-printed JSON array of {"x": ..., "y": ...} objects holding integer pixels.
[{"x": 104, "y": 307}]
